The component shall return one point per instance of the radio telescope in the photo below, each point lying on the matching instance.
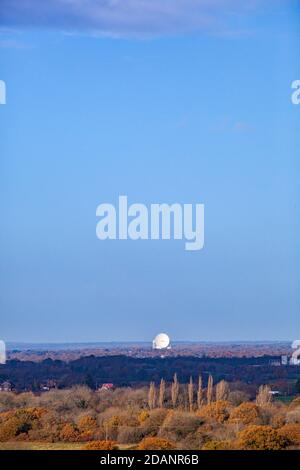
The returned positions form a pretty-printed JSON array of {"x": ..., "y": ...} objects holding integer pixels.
[{"x": 161, "y": 341}]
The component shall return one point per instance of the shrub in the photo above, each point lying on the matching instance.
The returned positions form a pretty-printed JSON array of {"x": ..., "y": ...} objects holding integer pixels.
[
  {"x": 129, "y": 434},
  {"x": 295, "y": 403},
  {"x": 217, "y": 411},
  {"x": 261, "y": 438},
  {"x": 7, "y": 401},
  {"x": 237, "y": 397},
  {"x": 87, "y": 423},
  {"x": 100, "y": 445},
  {"x": 291, "y": 432},
  {"x": 155, "y": 443},
  {"x": 9, "y": 429},
  {"x": 87, "y": 426},
  {"x": 151, "y": 426},
  {"x": 278, "y": 420},
  {"x": 178, "y": 425},
  {"x": 293, "y": 416},
  {"x": 217, "y": 445},
  {"x": 69, "y": 433},
  {"x": 245, "y": 413},
  {"x": 143, "y": 416},
  {"x": 19, "y": 421}
]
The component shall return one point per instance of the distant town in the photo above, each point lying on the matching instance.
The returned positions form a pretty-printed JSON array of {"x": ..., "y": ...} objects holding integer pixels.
[
  {"x": 71, "y": 351},
  {"x": 40, "y": 368}
]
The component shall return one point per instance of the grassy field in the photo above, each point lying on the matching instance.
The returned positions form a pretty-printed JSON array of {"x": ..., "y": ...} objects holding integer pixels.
[
  {"x": 50, "y": 445},
  {"x": 41, "y": 445},
  {"x": 286, "y": 399}
]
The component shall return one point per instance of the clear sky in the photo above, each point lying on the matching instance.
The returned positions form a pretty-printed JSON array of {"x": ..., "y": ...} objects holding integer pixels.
[{"x": 183, "y": 101}]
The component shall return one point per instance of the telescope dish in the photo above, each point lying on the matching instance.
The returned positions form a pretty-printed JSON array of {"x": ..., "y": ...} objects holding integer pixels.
[{"x": 161, "y": 341}]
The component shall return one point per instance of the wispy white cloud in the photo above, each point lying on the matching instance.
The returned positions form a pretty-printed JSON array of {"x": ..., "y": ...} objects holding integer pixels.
[
  {"x": 228, "y": 125},
  {"x": 12, "y": 39},
  {"x": 126, "y": 18},
  {"x": 13, "y": 44}
]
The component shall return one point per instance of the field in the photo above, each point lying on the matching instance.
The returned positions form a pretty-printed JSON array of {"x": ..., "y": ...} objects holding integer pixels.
[
  {"x": 36, "y": 445},
  {"x": 40, "y": 445}
]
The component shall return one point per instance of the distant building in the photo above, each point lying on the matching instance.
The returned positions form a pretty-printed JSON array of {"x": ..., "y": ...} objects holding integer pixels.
[
  {"x": 284, "y": 360},
  {"x": 108, "y": 386},
  {"x": 295, "y": 361},
  {"x": 48, "y": 385},
  {"x": 276, "y": 363},
  {"x": 6, "y": 387},
  {"x": 2, "y": 352}
]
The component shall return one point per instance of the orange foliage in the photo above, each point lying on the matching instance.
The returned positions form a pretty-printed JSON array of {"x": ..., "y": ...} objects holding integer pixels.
[
  {"x": 18, "y": 422},
  {"x": 143, "y": 416},
  {"x": 217, "y": 411},
  {"x": 245, "y": 413},
  {"x": 217, "y": 445},
  {"x": 291, "y": 432},
  {"x": 261, "y": 438},
  {"x": 87, "y": 423},
  {"x": 155, "y": 443},
  {"x": 9, "y": 429},
  {"x": 69, "y": 433},
  {"x": 100, "y": 445}
]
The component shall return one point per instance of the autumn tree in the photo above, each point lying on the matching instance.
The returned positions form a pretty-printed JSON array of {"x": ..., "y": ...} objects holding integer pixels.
[
  {"x": 69, "y": 433},
  {"x": 87, "y": 426},
  {"x": 152, "y": 396},
  {"x": 210, "y": 388},
  {"x": 111, "y": 427},
  {"x": 87, "y": 423},
  {"x": 222, "y": 391},
  {"x": 19, "y": 422},
  {"x": 191, "y": 394},
  {"x": 9, "y": 429},
  {"x": 263, "y": 397},
  {"x": 200, "y": 393},
  {"x": 162, "y": 391},
  {"x": 174, "y": 391}
]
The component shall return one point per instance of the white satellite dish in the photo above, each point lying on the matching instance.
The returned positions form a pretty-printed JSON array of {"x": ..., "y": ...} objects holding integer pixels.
[{"x": 161, "y": 341}]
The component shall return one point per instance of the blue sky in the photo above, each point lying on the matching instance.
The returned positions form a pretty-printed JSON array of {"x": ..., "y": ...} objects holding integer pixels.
[{"x": 177, "y": 101}]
